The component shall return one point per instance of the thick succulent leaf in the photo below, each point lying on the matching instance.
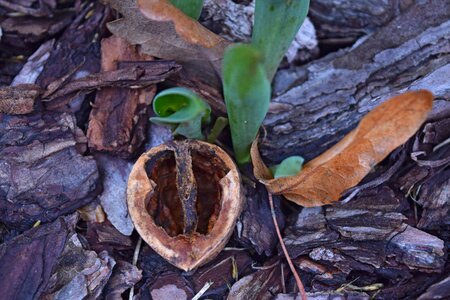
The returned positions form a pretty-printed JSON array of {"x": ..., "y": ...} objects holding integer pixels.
[
  {"x": 276, "y": 24},
  {"x": 247, "y": 96},
  {"x": 192, "y": 8},
  {"x": 288, "y": 167},
  {"x": 182, "y": 109}
]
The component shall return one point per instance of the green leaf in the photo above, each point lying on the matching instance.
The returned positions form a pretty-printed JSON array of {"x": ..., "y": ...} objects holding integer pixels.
[
  {"x": 288, "y": 167},
  {"x": 183, "y": 110},
  {"x": 217, "y": 129},
  {"x": 192, "y": 8},
  {"x": 247, "y": 96},
  {"x": 276, "y": 24}
]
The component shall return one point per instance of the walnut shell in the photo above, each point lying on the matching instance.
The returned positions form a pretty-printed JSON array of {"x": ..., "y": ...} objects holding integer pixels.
[{"x": 184, "y": 199}]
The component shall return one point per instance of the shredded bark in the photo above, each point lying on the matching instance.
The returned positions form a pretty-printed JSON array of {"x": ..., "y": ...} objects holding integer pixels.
[
  {"x": 43, "y": 176},
  {"x": 18, "y": 100}
]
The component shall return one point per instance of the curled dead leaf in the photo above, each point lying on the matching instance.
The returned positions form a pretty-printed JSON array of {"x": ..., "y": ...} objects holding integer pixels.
[
  {"x": 184, "y": 199},
  {"x": 325, "y": 178},
  {"x": 165, "y": 32},
  {"x": 174, "y": 37},
  {"x": 189, "y": 29}
]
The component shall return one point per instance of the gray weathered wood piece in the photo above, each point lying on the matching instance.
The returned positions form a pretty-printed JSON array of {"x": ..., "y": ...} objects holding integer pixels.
[{"x": 318, "y": 103}]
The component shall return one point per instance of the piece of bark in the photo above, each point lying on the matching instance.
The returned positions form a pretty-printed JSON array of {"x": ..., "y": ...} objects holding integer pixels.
[
  {"x": 124, "y": 276},
  {"x": 223, "y": 271},
  {"x": 9, "y": 69},
  {"x": 117, "y": 122},
  {"x": 432, "y": 192},
  {"x": 105, "y": 237},
  {"x": 342, "y": 22},
  {"x": 43, "y": 176},
  {"x": 22, "y": 33},
  {"x": 364, "y": 234},
  {"x": 44, "y": 8},
  {"x": 152, "y": 264},
  {"x": 411, "y": 287},
  {"x": 322, "y": 101},
  {"x": 34, "y": 65},
  {"x": 260, "y": 285},
  {"x": 325, "y": 296},
  {"x": 77, "y": 51},
  {"x": 417, "y": 249},
  {"x": 257, "y": 229},
  {"x": 78, "y": 273},
  {"x": 439, "y": 290},
  {"x": 27, "y": 261},
  {"x": 233, "y": 21},
  {"x": 170, "y": 285},
  {"x": 113, "y": 198},
  {"x": 435, "y": 201},
  {"x": 133, "y": 78},
  {"x": 18, "y": 100}
]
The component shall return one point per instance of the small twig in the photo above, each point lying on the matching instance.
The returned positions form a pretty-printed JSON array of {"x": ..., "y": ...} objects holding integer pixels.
[
  {"x": 344, "y": 286},
  {"x": 203, "y": 290},
  {"x": 135, "y": 259},
  {"x": 439, "y": 146},
  {"x": 254, "y": 267},
  {"x": 286, "y": 254},
  {"x": 283, "y": 284},
  {"x": 234, "y": 271},
  {"x": 234, "y": 249}
]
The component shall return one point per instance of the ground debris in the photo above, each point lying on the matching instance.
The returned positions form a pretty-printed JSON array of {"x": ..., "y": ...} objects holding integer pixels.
[
  {"x": 45, "y": 8},
  {"x": 325, "y": 296},
  {"x": 22, "y": 33},
  {"x": 124, "y": 276},
  {"x": 118, "y": 120},
  {"x": 105, "y": 237},
  {"x": 27, "y": 261},
  {"x": 114, "y": 172},
  {"x": 79, "y": 274},
  {"x": 340, "y": 23},
  {"x": 170, "y": 285},
  {"x": 134, "y": 77},
  {"x": 365, "y": 234},
  {"x": 42, "y": 174},
  {"x": 258, "y": 230},
  {"x": 260, "y": 285},
  {"x": 18, "y": 100},
  {"x": 318, "y": 103},
  {"x": 76, "y": 53},
  {"x": 222, "y": 272},
  {"x": 439, "y": 290}
]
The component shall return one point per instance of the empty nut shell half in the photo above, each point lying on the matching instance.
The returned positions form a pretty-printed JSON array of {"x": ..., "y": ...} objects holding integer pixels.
[{"x": 184, "y": 199}]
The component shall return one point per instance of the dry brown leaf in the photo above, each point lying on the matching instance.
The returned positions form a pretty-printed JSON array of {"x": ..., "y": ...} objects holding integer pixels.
[
  {"x": 189, "y": 29},
  {"x": 165, "y": 32},
  {"x": 197, "y": 49},
  {"x": 325, "y": 178}
]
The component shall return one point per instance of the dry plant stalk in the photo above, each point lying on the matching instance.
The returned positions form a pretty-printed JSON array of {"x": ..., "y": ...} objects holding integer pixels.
[
  {"x": 184, "y": 199},
  {"x": 325, "y": 178}
]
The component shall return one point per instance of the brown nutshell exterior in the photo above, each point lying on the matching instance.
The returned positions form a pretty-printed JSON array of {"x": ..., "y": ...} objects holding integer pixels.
[{"x": 190, "y": 248}]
